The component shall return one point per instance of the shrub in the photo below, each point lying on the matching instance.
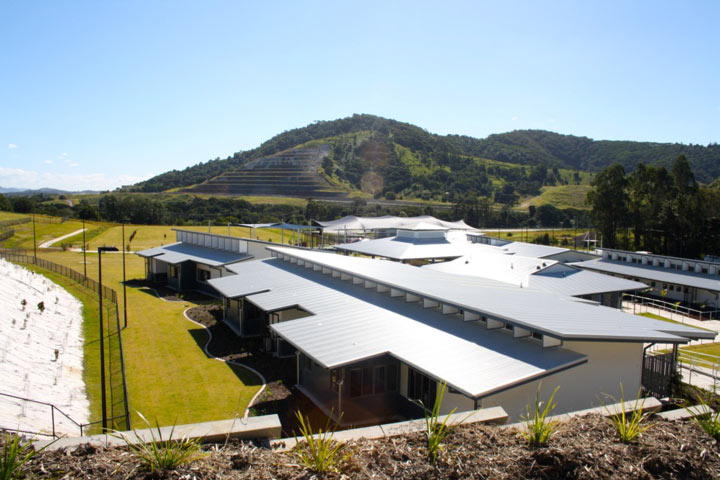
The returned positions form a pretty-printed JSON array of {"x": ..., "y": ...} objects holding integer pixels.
[
  {"x": 538, "y": 429},
  {"x": 435, "y": 430},
  {"x": 163, "y": 454},
  {"x": 628, "y": 427},
  {"x": 319, "y": 452}
]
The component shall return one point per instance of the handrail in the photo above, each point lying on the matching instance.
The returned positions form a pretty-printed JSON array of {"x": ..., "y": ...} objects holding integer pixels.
[{"x": 672, "y": 307}]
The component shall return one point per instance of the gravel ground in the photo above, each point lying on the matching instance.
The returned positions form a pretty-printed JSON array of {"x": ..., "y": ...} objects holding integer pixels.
[{"x": 583, "y": 448}]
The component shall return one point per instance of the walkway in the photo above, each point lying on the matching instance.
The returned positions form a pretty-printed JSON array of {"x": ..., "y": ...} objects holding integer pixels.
[{"x": 50, "y": 243}]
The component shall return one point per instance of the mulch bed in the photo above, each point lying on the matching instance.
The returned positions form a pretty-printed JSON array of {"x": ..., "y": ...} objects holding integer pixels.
[{"x": 583, "y": 448}]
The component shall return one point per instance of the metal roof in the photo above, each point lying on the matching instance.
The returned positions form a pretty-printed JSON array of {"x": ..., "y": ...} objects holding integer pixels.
[
  {"x": 405, "y": 248},
  {"x": 658, "y": 274},
  {"x": 352, "y": 323},
  {"x": 351, "y": 222},
  {"x": 562, "y": 317},
  {"x": 532, "y": 249},
  {"x": 547, "y": 275},
  {"x": 182, "y": 252}
]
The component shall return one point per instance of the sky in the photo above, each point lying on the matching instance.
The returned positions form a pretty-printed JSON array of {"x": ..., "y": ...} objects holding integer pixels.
[{"x": 98, "y": 94}]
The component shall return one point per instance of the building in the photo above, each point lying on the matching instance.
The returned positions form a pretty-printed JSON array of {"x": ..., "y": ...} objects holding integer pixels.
[
  {"x": 538, "y": 273},
  {"x": 196, "y": 257},
  {"x": 385, "y": 226},
  {"x": 373, "y": 339},
  {"x": 548, "y": 252},
  {"x": 453, "y": 252},
  {"x": 695, "y": 282}
]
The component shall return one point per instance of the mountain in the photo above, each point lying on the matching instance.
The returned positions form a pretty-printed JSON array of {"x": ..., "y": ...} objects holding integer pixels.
[{"x": 380, "y": 156}]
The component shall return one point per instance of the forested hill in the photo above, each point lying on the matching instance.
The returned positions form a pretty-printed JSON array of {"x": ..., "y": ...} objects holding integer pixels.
[{"x": 524, "y": 147}]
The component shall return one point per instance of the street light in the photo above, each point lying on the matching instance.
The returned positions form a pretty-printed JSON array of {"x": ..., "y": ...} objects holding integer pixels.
[
  {"x": 84, "y": 253},
  {"x": 102, "y": 335},
  {"x": 123, "y": 262}
]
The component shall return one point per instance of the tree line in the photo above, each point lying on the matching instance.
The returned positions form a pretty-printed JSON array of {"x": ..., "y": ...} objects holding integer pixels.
[{"x": 657, "y": 210}]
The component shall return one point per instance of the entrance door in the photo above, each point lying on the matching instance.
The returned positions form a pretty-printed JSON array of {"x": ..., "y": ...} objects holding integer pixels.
[{"x": 422, "y": 388}]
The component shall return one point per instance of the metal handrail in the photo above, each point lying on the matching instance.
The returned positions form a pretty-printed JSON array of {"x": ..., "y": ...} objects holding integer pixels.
[{"x": 672, "y": 307}]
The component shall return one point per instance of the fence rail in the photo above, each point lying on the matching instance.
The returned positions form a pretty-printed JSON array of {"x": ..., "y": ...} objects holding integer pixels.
[
  {"x": 638, "y": 301},
  {"x": 115, "y": 365},
  {"x": 15, "y": 221},
  {"x": 6, "y": 233}
]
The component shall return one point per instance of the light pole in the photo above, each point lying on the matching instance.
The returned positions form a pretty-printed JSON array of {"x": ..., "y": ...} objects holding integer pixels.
[
  {"x": 124, "y": 290},
  {"x": 84, "y": 252},
  {"x": 102, "y": 335},
  {"x": 34, "y": 239}
]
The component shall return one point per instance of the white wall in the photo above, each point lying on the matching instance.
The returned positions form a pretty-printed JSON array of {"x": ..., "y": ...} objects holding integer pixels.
[{"x": 583, "y": 386}]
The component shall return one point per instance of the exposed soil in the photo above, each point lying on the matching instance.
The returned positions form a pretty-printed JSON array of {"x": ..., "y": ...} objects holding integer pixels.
[{"x": 583, "y": 448}]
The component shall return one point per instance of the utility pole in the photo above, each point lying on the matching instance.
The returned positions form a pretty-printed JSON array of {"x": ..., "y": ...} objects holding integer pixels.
[
  {"x": 84, "y": 251},
  {"x": 102, "y": 343},
  {"x": 34, "y": 239},
  {"x": 124, "y": 287}
]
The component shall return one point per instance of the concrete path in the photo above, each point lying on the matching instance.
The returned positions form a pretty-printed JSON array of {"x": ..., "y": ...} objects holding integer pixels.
[{"x": 50, "y": 243}]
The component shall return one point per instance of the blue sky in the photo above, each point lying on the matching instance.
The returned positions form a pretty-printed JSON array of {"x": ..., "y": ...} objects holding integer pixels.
[{"x": 102, "y": 93}]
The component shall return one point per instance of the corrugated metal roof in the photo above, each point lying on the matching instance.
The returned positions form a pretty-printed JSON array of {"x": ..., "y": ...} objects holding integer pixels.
[
  {"x": 181, "y": 252},
  {"x": 351, "y": 222},
  {"x": 562, "y": 317},
  {"x": 532, "y": 250},
  {"x": 658, "y": 274},
  {"x": 546, "y": 275},
  {"x": 351, "y": 323},
  {"x": 406, "y": 248}
]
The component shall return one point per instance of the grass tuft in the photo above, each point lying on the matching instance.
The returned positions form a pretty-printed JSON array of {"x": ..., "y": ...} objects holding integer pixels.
[
  {"x": 319, "y": 452},
  {"x": 436, "y": 430},
  {"x": 538, "y": 429},
  {"x": 710, "y": 423},
  {"x": 14, "y": 457},
  {"x": 163, "y": 454},
  {"x": 629, "y": 427}
]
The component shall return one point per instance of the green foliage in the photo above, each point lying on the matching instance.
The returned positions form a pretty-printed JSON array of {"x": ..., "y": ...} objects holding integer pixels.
[
  {"x": 319, "y": 452},
  {"x": 710, "y": 423},
  {"x": 14, "y": 456},
  {"x": 435, "y": 430},
  {"x": 628, "y": 426},
  {"x": 538, "y": 428},
  {"x": 160, "y": 453}
]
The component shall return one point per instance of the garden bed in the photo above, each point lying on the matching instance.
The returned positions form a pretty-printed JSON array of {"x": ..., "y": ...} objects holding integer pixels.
[{"x": 583, "y": 448}]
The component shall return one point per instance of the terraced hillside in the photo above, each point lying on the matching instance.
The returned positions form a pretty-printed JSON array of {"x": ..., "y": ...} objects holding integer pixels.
[{"x": 291, "y": 173}]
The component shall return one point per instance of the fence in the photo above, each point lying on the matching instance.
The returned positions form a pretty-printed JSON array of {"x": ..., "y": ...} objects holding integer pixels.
[
  {"x": 15, "y": 221},
  {"x": 703, "y": 364},
  {"x": 5, "y": 234},
  {"x": 643, "y": 303},
  {"x": 119, "y": 409}
]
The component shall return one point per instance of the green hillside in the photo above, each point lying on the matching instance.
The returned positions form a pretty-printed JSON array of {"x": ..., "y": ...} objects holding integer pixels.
[{"x": 379, "y": 156}]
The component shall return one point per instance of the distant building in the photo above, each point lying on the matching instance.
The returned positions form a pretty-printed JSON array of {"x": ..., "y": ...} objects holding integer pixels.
[
  {"x": 672, "y": 278},
  {"x": 196, "y": 257}
]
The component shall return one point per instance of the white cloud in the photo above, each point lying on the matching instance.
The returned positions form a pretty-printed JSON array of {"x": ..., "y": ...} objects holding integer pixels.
[
  {"x": 12, "y": 146},
  {"x": 16, "y": 177},
  {"x": 73, "y": 164},
  {"x": 515, "y": 119},
  {"x": 63, "y": 156},
  {"x": 48, "y": 162}
]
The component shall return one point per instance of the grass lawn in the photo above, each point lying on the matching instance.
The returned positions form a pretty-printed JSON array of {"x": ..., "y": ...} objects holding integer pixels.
[
  {"x": 44, "y": 230},
  {"x": 169, "y": 376},
  {"x": 561, "y": 196},
  {"x": 706, "y": 348},
  {"x": 12, "y": 216}
]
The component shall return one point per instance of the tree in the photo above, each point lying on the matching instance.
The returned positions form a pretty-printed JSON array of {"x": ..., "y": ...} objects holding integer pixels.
[
  {"x": 609, "y": 203},
  {"x": 5, "y": 204}
]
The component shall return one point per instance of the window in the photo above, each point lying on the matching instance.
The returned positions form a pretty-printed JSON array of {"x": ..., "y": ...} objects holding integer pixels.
[
  {"x": 372, "y": 380},
  {"x": 421, "y": 388},
  {"x": 203, "y": 275},
  {"x": 172, "y": 271}
]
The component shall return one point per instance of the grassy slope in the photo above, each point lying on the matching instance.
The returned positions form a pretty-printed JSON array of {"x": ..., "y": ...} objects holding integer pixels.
[{"x": 561, "y": 196}]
